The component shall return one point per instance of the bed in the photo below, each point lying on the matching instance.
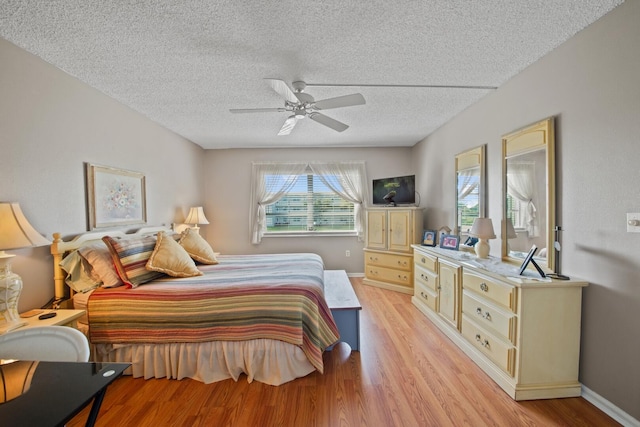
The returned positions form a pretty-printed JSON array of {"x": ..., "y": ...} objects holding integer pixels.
[{"x": 262, "y": 315}]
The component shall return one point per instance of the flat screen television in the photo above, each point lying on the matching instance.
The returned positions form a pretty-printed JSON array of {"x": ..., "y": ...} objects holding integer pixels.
[{"x": 404, "y": 187}]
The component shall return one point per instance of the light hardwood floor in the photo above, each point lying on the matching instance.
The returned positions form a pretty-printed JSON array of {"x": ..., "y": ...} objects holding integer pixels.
[{"x": 407, "y": 373}]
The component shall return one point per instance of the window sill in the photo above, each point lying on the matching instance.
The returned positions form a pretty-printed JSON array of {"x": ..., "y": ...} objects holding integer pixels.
[{"x": 311, "y": 234}]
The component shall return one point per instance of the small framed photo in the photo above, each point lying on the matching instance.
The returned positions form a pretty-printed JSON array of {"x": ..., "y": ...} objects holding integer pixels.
[
  {"x": 449, "y": 241},
  {"x": 429, "y": 238}
]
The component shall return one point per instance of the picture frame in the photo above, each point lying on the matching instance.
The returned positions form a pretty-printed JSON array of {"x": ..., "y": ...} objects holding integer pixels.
[
  {"x": 429, "y": 238},
  {"x": 450, "y": 241},
  {"x": 115, "y": 197},
  {"x": 529, "y": 259}
]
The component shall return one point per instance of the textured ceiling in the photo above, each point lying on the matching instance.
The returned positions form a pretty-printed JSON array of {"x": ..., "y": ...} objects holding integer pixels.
[{"x": 184, "y": 64}]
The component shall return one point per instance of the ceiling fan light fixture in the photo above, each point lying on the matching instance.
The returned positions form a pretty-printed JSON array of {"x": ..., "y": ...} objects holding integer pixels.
[{"x": 303, "y": 105}]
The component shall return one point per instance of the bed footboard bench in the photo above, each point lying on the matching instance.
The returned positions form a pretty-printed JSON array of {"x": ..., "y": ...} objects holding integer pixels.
[{"x": 344, "y": 305}]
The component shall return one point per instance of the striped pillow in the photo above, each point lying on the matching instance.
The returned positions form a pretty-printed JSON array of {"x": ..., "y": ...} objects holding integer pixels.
[{"x": 130, "y": 258}]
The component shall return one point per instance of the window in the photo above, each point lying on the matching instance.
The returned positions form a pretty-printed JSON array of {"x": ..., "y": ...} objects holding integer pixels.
[
  {"x": 310, "y": 205},
  {"x": 301, "y": 198},
  {"x": 468, "y": 198}
]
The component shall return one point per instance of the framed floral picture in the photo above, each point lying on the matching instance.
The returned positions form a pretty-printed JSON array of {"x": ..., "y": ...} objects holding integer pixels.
[{"x": 115, "y": 197}]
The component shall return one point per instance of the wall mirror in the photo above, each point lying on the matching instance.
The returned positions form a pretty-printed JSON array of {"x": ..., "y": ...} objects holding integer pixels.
[
  {"x": 470, "y": 188},
  {"x": 529, "y": 193}
]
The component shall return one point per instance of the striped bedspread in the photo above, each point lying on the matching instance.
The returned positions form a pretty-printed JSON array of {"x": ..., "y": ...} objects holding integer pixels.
[{"x": 243, "y": 297}]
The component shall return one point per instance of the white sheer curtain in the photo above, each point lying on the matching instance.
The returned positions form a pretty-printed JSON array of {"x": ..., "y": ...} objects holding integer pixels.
[
  {"x": 265, "y": 192},
  {"x": 521, "y": 186},
  {"x": 465, "y": 185},
  {"x": 348, "y": 180}
]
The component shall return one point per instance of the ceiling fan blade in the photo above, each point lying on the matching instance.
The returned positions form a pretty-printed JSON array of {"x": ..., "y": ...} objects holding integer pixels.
[
  {"x": 288, "y": 125},
  {"x": 282, "y": 89},
  {"x": 257, "y": 110},
  {"x": 340, "y": 101},
  {"x": 328, "y": 121}
]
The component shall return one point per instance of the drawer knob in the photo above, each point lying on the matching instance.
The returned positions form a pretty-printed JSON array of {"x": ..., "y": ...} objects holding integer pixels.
[
  {"x": 484, "y": 287},
  {"x": 424, "y": 277},
  {"x": 484, "y": 343},
  {"x": 425, "y": 296},
  {"x": 423, "y": 260},
  {"x": 486, "y": 314}
]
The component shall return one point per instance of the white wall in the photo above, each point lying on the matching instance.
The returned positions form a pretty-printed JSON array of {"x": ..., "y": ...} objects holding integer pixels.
[
  {"x": 50, "y": 125},
  {"x": 590, "y": 84},
  {"x": 228, "y": 186}
]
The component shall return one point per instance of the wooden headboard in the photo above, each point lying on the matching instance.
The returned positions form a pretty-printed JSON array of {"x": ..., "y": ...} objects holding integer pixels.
[{"x": 59, "y": 248}]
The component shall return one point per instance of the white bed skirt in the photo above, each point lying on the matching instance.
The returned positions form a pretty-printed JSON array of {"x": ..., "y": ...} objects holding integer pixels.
[{"x": 268, "y": 361}]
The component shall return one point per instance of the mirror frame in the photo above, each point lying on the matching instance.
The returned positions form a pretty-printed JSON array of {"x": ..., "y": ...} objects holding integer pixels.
[
  {"x": 539, "y": 135},
  {"x": 467, "y": 160}
]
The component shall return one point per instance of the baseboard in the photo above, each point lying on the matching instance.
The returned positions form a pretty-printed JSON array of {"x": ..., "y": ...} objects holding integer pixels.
[
  {"x": 609, "y": 408},
  {"x": 355, "y": 274}
]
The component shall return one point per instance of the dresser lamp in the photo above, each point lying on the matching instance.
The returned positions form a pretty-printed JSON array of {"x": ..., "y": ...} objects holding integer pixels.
[
  {"x": 482, "y": 228},
  {"x": 196, "y": 217},
  {"x": 15, "y": 233},
  {"x": 511, "y": 232}
]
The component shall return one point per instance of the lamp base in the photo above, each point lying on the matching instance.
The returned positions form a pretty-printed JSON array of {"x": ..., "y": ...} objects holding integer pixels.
[{"x": 482, "y": 248}]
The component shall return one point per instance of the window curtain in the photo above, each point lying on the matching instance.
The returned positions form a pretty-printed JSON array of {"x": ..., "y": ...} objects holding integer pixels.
[
  {"x": 265, "y": 193},
  {"x": 465, "y": 186},
  {"x": 521, "y": 186},
  {"x": 348, "y": 180}
]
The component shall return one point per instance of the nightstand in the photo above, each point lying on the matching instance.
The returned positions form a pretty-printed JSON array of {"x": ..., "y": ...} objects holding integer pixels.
[{"x": 63, "y": 317}]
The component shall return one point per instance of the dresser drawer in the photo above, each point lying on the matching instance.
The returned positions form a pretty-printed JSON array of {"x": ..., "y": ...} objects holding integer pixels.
[
  {"x": 426, "y": 278},
  {"x": 426, "y": 295},
  {"x": 497, "y": 292},
  {"x": 503, "y": 354},
  {"x": 427, "y": 261},
  {"x": 402, "y": 262},
  {"x": 489, "y": 316},
  {"x": 383, "y": 274}
]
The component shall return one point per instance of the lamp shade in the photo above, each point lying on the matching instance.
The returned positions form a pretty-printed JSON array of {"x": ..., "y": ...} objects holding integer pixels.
[
  {"x": 196, "y": 216},
  {"x": 511, "y": 231},
  {"x": 15, "y": 230},
  {"x": 482, "y": 228},
  {"x": 15, "y": 378}
]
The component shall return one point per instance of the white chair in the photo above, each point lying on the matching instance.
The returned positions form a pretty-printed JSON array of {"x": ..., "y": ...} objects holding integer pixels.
[{"x": 45, "y": 343}]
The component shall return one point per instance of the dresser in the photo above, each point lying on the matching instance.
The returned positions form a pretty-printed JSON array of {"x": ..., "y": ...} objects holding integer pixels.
[
  {"x": 388, "y": 255},
  {"x": 522, "y": 331}
]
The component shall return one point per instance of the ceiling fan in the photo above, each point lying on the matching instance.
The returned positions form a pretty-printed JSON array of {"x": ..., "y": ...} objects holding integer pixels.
[{"x": 303, "y": 105}]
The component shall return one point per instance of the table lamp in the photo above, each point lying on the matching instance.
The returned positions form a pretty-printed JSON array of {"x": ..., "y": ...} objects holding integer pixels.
[
  {"x": 196, "y": 217},
  {"x": 511, "y": 232},
  {"x": 15, "y": 233},
  {"x": 482, "y": 228}
]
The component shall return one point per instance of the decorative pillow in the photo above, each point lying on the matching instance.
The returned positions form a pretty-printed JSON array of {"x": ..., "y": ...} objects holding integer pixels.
[
  {"x": 170, "y": 258},
  {"x": 78, "y": 273},
  {"x": 130, "y": 258},
  {"x": 197, "y": 247},
  {"x": 98, "y": 256}
]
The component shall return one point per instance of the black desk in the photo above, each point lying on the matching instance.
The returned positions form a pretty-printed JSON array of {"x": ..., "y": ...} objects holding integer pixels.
[{"x": 59, "y": 391}]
